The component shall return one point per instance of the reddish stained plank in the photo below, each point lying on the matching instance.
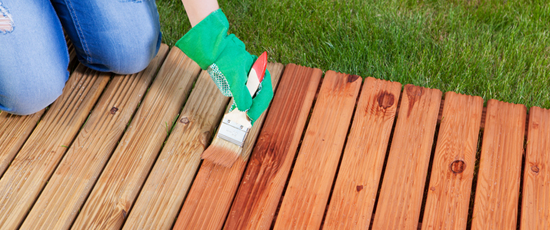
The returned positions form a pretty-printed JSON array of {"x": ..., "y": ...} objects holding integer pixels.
[
  {"x": 453, "y": 165},
  {"x": 535, "y": 210},
  {"x": 405, "y": 176},
  {"x": 309, "y": 187},
  {"x": 497, "y": 192},
  {"x": 264, "y": 180},
  {"x": 355, "y": 191}
]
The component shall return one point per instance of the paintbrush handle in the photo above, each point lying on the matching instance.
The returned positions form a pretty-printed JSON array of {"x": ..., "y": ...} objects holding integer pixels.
[{"x": 257, "y": 74}]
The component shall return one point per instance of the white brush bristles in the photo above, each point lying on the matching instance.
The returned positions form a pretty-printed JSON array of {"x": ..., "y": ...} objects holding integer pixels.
[{"x": 222, "y": 152}]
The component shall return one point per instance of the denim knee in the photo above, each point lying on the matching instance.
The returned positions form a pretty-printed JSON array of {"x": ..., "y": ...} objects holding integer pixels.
[
  {"x": 25, "y": 95},
  {"x": 127, "y": 53}
]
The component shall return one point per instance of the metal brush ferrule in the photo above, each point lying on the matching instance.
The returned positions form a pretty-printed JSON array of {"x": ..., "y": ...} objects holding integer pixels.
[{"x": 232, "y": 132}]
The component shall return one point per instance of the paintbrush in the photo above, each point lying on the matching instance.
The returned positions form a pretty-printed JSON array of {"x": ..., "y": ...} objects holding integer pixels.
[{"x": 229, "y": 141}]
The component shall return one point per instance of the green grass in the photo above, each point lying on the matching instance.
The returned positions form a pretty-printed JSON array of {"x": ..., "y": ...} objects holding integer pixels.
[{"x": 494, "y": 49}]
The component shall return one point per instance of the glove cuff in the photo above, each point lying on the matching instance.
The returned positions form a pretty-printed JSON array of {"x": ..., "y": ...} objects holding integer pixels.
[{"x": 206, "y": 40}]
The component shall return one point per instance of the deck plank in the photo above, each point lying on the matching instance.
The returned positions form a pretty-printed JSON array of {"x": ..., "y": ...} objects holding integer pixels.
[
  {"x": 118, "y": 185},
  {"x": 67, "y": 189},
  {"x": 212, "y": 192},
  {"x": 267, "y": 172},
  {"x": 309, "y": 186},
  {"x": 352, "y": 200},
  {"x": 498, "y": 182},
  {"x": 400, "y": 198},
  {"x": 535, "y": 210},
  {"x": 453, "y": 165},
  {"x": 28, "y": 173},
  {"x": 15, "y": 130},
  {"x": 162, "y": 195}
]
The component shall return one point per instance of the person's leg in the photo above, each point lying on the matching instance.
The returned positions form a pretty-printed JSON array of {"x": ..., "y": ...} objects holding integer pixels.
[
  {"x": 33, "y": 56},
  {"x": 120, "y": 36}
]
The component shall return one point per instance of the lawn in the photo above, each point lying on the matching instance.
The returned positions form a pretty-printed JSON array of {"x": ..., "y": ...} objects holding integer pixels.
[{"x": 493, "y": 49}]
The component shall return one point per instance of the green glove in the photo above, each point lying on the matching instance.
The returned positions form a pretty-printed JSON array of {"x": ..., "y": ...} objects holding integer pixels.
[{"x": 227, "y": 61}]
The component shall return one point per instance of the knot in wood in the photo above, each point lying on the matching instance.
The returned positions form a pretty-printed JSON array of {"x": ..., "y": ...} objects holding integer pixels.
[
  {"x": 385, "y": 99},
  {"x": 458, "y": 166},
  {"x": 359, "y": 188},
  {"x": 352, "y": 78},
  {"x": 114, "y": 110},
  {"x": 205, "y": 137},
  {"x": 535, "y": 169},
  {"x": 184, "y": 120}
]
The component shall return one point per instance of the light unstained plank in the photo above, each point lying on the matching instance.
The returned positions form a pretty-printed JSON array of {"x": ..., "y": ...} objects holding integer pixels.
[
  {"x": 310, "y": 183},
  {"x": 352, "y": 200},
  {"x": 162, "y": 195},
  {"x": 267, "y": 172},
  {"x": 453, "y": 165},
  {"x": 118, "y": 185},
  {"x": 72, "y": 181},
  {"x": 400, "y": 198},
  {"x": 214, "y": 188},
  {"x": 535, "y": 210},
  {"x": 28, "y": 173},
  {"x": 498, "y": 181},
  {"x": 15, "y": 130}
]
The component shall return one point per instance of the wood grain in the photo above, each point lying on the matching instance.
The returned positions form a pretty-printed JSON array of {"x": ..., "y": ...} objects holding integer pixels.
[
  {"x": 267, "y": 172},
  {"x": 535, "y": 209},
  {"x": 28, "y": 173},
  {"x": 13, "y": 134},
  {"x": 453, "y": 165},
  {"x": 116, "y": 189},
  {"x": 162, "y": 195},
  {"x": 356, "y": 186},
  {"x": 214, "y": 188},
  {"x": 497, "y": 191},
  {"x": 405, "y": 175},
  {"x": 67, "y": 189},
  {"x": 309, "y": 186}
]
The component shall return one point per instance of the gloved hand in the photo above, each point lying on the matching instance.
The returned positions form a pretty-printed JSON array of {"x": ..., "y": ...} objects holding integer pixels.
[{"x": 227, "y": 61}]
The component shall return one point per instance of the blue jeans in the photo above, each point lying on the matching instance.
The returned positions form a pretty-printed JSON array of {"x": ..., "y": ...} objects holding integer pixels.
[{"x": 120, "y": 36}]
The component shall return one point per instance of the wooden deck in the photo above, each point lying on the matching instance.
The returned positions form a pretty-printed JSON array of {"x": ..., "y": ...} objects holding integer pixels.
[{"x": 332, "y": 152}]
